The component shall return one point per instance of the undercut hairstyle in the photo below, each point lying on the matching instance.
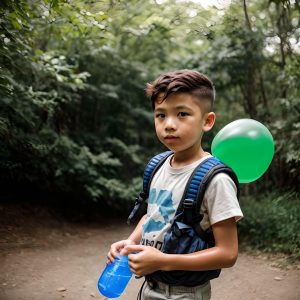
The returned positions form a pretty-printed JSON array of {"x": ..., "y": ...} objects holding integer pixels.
[{"x": 182, "y": 81}]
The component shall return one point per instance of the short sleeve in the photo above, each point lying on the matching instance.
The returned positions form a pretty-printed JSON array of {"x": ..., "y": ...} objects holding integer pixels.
[{"x": 220, "y": 201}]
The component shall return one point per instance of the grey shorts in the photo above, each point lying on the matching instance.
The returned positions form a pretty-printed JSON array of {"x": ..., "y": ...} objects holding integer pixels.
[{"x": 164, "y": 291}]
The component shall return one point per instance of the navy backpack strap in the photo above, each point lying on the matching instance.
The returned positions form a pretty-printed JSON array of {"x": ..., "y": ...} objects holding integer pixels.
[
  {"x": 218, "y": 168},
  {"x": 154, "y": 164},
  {"x": 191, "y": 201},
  {"x": 187, "y": 210}
]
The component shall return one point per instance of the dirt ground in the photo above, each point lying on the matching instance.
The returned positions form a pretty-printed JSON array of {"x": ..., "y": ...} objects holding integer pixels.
[{"x": 45, "y": 257}]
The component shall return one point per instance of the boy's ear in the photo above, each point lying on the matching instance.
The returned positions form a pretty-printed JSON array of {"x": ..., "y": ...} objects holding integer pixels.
[{"x": 209, "y": 121}]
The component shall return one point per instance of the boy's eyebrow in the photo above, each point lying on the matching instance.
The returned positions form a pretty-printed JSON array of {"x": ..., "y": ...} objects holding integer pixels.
[
  {"x": 159, "y": 110},
  {"x": 179, "y": 107},
  {"x": 183, "y": 107}
]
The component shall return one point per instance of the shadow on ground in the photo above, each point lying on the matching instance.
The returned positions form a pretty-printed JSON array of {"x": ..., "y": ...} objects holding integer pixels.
[{"x": 43, "y": 256}]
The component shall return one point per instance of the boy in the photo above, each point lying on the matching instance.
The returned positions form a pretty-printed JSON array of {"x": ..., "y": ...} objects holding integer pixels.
[{"x": 182, "y": 102}]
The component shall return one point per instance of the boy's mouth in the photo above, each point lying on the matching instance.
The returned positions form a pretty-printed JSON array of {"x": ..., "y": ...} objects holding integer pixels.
[{"x": 170, "y": 137}]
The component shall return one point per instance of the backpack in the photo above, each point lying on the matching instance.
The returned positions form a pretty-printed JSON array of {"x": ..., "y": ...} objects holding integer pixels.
[{"x": 185, "y": 234}]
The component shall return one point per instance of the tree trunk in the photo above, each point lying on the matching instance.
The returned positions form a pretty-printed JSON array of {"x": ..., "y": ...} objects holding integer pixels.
[
  {"x": 250, "y": 85},
  {"x": 248, "y": 24}
]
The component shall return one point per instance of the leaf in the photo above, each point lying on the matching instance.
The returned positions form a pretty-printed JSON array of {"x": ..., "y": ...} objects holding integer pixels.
[
  {"x": 15, "y": 21},
  {"x": 54, "y": 4}
]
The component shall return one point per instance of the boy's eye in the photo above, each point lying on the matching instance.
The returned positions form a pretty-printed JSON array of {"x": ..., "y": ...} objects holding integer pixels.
[
  {"x": 182, "y": 114},
  {"x": 160, "y": 116}
]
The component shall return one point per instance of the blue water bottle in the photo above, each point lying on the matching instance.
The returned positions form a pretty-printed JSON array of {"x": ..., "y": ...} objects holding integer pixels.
[{"x": 115, "y": 277}]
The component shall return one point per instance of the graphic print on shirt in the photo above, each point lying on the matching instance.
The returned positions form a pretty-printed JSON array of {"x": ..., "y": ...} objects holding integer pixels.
[{"x": 163, "y": 209}]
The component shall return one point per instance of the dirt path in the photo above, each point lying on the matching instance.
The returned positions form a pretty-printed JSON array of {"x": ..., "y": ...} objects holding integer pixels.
[{"x": 47, "y": 260}]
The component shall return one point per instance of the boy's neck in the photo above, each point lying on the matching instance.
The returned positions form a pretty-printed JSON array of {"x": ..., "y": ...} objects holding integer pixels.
[{"x": 180, "y": 159}]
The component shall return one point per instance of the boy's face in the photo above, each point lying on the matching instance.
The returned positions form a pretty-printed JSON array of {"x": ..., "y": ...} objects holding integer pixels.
[{"x": 180, "y": 121}]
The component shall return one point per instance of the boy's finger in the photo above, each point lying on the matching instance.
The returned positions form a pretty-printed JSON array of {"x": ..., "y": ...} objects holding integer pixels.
[
  {"x": 112, "y": 255},
  {"x": 134, "y": 248},
  {"x": 109, "y": 259}
]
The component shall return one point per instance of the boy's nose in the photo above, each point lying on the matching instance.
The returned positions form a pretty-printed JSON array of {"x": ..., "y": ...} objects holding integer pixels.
[{"x": 170, "y": 124}]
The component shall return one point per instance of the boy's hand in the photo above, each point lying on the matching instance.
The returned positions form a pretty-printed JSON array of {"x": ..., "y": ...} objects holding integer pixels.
[
  {"x": 116, "y": 248},
  {"x": 146, "y": 261}
]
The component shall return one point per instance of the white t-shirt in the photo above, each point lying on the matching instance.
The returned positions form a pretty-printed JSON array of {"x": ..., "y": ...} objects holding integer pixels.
[{"x": 219, "y": 203}]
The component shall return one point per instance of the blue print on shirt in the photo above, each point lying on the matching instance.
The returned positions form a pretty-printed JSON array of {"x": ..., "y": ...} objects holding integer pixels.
[{"x": 164, "y": 201}]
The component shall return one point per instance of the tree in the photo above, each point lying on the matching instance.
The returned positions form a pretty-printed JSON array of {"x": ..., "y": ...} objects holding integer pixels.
[{"x": 74, "y": 119}]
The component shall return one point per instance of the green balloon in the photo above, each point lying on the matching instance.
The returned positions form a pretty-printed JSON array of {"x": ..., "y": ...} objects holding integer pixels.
[{"x": 246, "y": 146}]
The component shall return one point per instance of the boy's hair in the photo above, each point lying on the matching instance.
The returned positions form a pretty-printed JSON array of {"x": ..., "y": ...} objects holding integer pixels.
[{"x": 185, "y": 81}]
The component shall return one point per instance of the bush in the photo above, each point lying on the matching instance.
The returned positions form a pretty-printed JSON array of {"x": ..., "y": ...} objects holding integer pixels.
[{"x": 272, "y": 223}]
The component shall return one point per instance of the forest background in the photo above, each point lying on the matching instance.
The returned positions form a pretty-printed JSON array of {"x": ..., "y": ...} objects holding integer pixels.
[{"x": 76, "y": 127}]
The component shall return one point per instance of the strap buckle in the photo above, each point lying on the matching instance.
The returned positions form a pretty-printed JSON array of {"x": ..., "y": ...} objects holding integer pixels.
[
  {"x": 137, "y": 205},
  {"x": 189, "y": 211},
  {"x": 141, "y": 198},
  {"x": 188, "y": 203}
]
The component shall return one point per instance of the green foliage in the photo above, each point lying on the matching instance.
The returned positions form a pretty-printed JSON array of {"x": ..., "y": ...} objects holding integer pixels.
[
  {"x": 58, "y": 107},
  {"x": 289, "y": 129},
  {"x": 272, "y": 223},
  {"x": 74, "y": 119}
]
